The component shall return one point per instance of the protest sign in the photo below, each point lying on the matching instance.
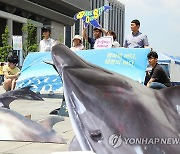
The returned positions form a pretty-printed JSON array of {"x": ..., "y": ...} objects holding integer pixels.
[
  {"x": 17, "y": 42},
  {"x": 103, "y": 42}
]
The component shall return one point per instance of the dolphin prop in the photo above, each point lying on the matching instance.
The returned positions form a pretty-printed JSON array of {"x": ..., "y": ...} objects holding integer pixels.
[
  {"x": 24, "y": 93},
  {"x": 25, "y": 129},
  {"x": 91, "y": 16},
  {"x": 106, "y": 109}
]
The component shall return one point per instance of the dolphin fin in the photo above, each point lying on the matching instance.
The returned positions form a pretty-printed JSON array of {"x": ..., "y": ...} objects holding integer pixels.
[
  {"x": 6, "y": 101},
  {"x": 49, "y": 122},
  {"x": 23, "y": 93},
  {"x": 50, "y": 63}
]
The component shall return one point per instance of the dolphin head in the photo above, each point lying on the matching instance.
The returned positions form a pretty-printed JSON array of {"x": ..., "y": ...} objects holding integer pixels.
[
  {"x": 66, "y": 58},
  {"x": 106, "y": 108}
]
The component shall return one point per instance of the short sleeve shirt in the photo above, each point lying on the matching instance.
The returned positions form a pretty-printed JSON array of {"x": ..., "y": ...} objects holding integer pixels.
[
  {"x": 1, "y": 70},
  {"x": 91, "y": 42},
  {"x": 160, "y": 76},
  {"x": 46, "y": 45},
  {"x": 10, "y": 71},
  {"x": 80, "y": 47},
  {"x": 136, "y": 41}
]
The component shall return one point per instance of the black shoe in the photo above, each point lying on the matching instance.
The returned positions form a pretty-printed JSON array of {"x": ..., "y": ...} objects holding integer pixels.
[{"x": 55, "y": 112}]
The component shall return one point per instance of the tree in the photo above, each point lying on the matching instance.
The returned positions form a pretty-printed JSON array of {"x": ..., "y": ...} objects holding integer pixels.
[
  {"x": 6, "y": 48},
  {"x": 30, "y": 44}
]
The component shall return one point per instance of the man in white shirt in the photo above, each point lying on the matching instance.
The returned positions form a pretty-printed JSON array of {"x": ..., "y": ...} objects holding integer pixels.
[{"x": 47, "y": 42}]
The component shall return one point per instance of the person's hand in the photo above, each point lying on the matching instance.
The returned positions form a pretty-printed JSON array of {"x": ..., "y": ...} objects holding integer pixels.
[
  {"x": 18, "y": 74},
  {"x": 85, "y": 28}
]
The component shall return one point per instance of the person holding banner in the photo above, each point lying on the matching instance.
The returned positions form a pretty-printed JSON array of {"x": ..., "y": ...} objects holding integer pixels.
[
  {"x": 136, "y": 39},
  {"x": 97, "y": 34},
  {"x": 47, "y": 42},
  {"x": 11, "y": 73}
]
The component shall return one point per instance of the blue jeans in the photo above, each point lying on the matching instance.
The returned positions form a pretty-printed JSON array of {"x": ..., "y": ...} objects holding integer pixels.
[
  {"x": 157, "y": 85},
  {"x": 1, "y": 79}
]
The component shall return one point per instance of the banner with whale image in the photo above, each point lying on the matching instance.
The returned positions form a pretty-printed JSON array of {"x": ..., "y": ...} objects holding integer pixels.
[
  {"x": 40, "y": 76},
  {"x": 43, "y": 77}
]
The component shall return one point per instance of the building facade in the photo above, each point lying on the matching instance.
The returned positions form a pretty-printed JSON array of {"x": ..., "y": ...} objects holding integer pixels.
[
  {"x": 59, "y": 15},
  {"x": 52, "y": 13},
  {"x": 114, "y": 20}
]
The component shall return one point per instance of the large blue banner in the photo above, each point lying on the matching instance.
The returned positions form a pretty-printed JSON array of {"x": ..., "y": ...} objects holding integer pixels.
[
  {"x": 129, "y": 62},
  {"x": 42, "y": 77}
]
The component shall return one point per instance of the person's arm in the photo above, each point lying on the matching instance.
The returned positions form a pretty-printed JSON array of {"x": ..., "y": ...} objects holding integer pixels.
[
  {"x": 84, "y": 34},
  {"x": 154, "y": 77},
  {"x": 125, "y": 43},
  {"x": 7, "y": 76},
  {"x": 146, "y": 43},
  {"x": 149, "y": 82},
  {"x": 104, "y": 31}
]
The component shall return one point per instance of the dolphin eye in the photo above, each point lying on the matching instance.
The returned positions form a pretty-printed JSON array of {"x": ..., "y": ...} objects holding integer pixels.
[{"x": 96, "y": 135}]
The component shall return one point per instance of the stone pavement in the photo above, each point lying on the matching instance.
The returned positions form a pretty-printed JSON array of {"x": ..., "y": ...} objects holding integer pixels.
[{"x": 38, "y": 110}]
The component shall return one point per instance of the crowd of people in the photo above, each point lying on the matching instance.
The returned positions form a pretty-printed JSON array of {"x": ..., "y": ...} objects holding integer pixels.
[{"x": 156, "y": 79}]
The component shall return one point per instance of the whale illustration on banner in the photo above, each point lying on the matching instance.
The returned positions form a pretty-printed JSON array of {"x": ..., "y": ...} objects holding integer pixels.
[{"x": 106, "y": 108}]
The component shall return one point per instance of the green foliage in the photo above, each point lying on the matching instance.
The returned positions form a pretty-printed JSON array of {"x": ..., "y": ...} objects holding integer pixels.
[
  {"x": 33, "y": 48},
  {"x": 5, "y": 36},
  {"x": 30, "y": 44},
  {"x": 4, "y": 50},
  {"x": 61, "y": 39}
]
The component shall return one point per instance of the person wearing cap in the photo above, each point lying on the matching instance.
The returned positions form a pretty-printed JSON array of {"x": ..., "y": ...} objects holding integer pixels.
[
  {"x": 97, "y": 34},
  {"x": 77, "y": 43},
  {"x": 136, "y": 39},
  {"x": 11, "y": 73},
  {"x": 46, "y": 44}
]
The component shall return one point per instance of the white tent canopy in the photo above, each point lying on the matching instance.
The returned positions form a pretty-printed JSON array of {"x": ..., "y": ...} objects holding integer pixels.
[{"x": 173, "y": 65}]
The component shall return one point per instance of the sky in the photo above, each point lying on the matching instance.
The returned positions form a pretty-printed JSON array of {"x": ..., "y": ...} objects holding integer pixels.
[{"x": 160, "y": 21}]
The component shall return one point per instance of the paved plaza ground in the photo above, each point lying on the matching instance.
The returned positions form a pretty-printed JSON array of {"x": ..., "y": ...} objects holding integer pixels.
[{"x": 38, "y": 110}]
